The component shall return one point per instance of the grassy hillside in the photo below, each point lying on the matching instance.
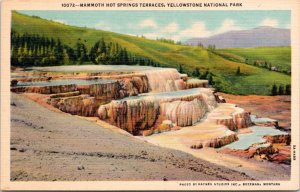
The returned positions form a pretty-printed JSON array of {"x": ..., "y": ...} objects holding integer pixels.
[
  {"x": 252, "y": 80},
  {"x": 276, "y": 56}
]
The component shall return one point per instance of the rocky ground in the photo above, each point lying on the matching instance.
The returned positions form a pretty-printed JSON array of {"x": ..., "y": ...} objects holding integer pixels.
[
  {"x": 275, "y": 107},
  {"x": 54, "y": 146}
]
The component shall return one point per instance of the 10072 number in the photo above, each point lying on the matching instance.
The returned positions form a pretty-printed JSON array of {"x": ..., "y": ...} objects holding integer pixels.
[{"x": 68, "y": 4}]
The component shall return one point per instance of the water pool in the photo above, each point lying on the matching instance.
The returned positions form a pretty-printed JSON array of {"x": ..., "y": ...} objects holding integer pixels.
[
  {"x": 94, "y": 68},
  {"x": 246, "y": 140},
  {"x": 255, "y": 119},
  {"x": 63, "y": 82}
]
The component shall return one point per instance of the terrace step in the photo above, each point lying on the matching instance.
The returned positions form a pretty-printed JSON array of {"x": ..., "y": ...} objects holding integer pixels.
[{"x": 67, "y": 94}]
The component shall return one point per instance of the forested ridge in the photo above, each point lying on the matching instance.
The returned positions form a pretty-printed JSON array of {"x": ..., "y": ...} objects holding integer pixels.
[{"x": 36, "y": 50}]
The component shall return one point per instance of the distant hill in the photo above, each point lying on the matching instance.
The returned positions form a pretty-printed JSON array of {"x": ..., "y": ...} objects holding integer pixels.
[{"x": 257, "y": 37}]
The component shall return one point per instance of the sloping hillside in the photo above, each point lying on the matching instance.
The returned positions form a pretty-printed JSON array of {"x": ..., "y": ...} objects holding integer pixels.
[
  {"x": 251, "y": 80},
  {"x": 279, "y": 57}
]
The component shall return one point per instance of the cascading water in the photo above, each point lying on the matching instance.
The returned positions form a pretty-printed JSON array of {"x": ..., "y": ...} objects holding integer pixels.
[{"x": 164, "y": 80}]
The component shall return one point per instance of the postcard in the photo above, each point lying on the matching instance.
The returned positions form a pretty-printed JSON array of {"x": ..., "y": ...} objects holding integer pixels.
[{"x": 150, "y": 95}]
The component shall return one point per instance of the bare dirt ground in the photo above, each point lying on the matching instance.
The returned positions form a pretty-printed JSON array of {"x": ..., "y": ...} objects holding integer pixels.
[
  {"x": 48, "y": 145},
  {"x": 275, "y": 107}
]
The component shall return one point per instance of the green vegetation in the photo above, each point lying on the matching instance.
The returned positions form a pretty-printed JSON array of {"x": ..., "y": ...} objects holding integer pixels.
[
  {"x": 238, "y": 71},
  {"x": 272, "y": 58},
  {"x": 27, "y": 50},
  {"x": 196, "y": 73},
  {"x": 219, "y": 70},
  {"x": 33, "y": 50},
  {"x": 171, "y": 41},
  {"x": 281, "y": 90}
]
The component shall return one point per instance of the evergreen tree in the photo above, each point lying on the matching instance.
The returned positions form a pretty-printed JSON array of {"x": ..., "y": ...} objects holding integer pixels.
[
  {"x": 274, "y": 90},
  {"x": 124, "y": 57},
  {"x": 196, "y": 72},
  {"x": 180, "y": 69},
  {"x": 71, "y": 54},
  {"x": 288, "y": 89},
  {"x": 29, "y": 50},
  {"x": 102, "y": 46},
  {"x": 81, "y": 51},
  {"x": 281, "y": 90},
  {"x": 84, "y": 53},
  {"x": 210, "y": 79},
  {"x": 58, "y": 52},
  {"x": 238, "y": 71},
  {"x": 93, "y": 53},
  {"x": 205, "y": 75}
]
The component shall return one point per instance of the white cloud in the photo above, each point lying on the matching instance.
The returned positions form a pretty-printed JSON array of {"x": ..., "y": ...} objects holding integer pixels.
[
  {"x": 227, "y": 25},
  {"x": 198, "y": 29},
  {"x": 269, "y": 22},
  {"x": 148, "y": 23},
  {"x": 102, "y": 25},
  {"x": 175, "y": 38},
  {"x": 152, "y": 35},
  {"x": 169, "y": 31},
  {"x": 170, "y": 28},
  {"x": 60, "y": 21}
]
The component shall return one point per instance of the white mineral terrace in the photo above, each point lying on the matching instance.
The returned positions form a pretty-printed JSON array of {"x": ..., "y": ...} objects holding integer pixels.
[
  {"x": 63, "y": 82},
  {"x": 145, "y": 100},
  {"x": 159, "y": 79},
  {"x": 96, "y": 68}
]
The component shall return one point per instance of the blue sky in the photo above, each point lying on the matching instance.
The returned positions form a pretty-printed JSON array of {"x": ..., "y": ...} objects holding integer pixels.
[{"x": 176, "y": 25}]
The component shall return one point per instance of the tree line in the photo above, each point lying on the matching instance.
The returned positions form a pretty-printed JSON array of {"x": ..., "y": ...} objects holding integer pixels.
[
  {"x": 281, "y": 90},
  {"x": 266, "y": 65},
  {"x": 170, "y": 41},
  {"x": 36, "y": 50},
  {"x": 28, "y": 50},
  {"x": 196, "y": 73}
]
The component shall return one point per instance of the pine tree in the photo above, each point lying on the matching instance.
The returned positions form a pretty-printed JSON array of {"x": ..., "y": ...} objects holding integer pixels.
[
  {"x": 281, "y": 90},
  {"x": 196, "y": 72},
  {"x": 71, "y": 54},
  {"x": 58, "y": 52},
  {"x": 93, "y": 53},
  {"x": 288, "y": 89},
  {"x": 274, "y": 90},
  {"x": 102, "y": 46},
  {"x": 84, "y": 53},
  {"x": 210, "y": 79},
  {"x": 78, "y": 49},
  {"x": 125, "y": 60},
  {"x": 180, "y": 70},
  {"x": 238, "y": 71},
  {"x": 205, "y": 75}
]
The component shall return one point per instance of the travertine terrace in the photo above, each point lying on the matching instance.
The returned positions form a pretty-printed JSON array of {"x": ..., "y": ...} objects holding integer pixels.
[{"x": 140, "y": 100}]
